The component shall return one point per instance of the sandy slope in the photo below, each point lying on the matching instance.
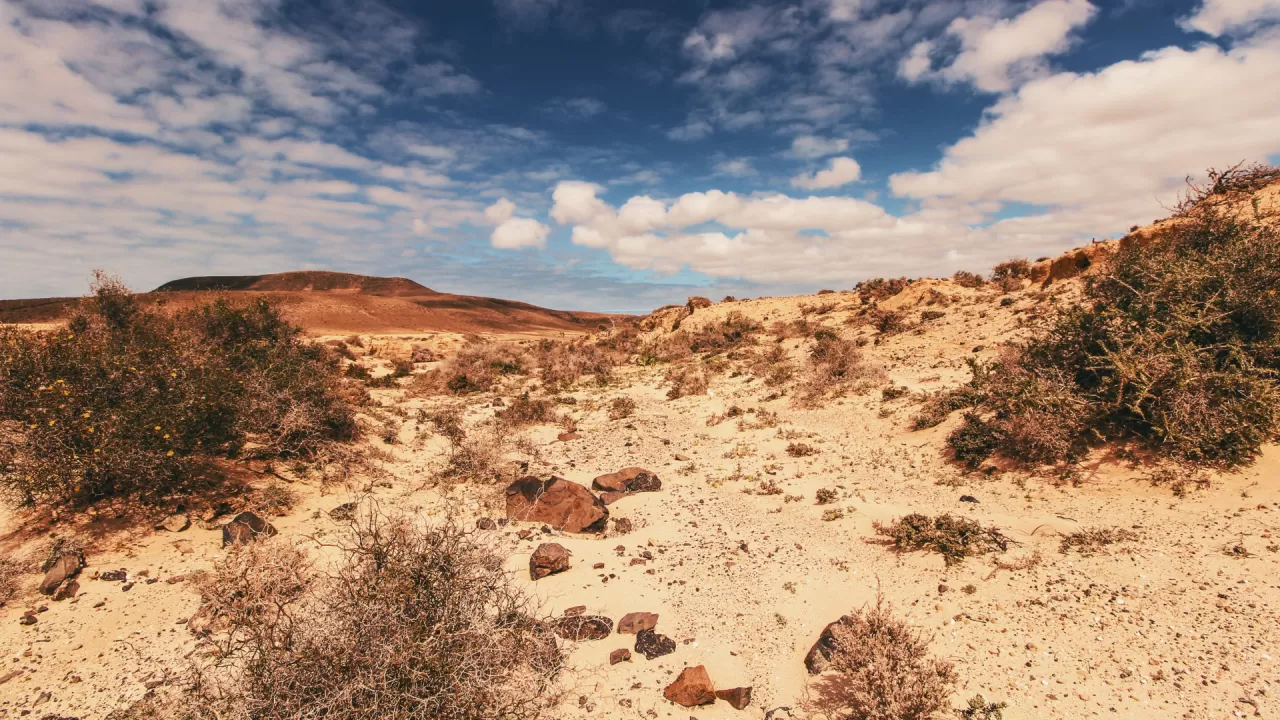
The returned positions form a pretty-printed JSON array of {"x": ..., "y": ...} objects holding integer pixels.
[{"x": 1168, "y": 626}]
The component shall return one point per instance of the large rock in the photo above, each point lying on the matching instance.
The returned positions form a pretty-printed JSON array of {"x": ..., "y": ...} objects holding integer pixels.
[
  {"x": 583, "y": 627},
  {"x": 628, "y": 480},
  {"x": 548, "y": 559},
  {"x": 557, "y": 502},
  {"x": 652, "y": 645},
  {"x": 245, "y": 528},
  {"x": 820, "y": 654},
  {"x": 632, "y": 623},
  {"x": 66, "y": 567},
  {"x": 692, "y": 688},
  {"x": 738, "y": 697}
]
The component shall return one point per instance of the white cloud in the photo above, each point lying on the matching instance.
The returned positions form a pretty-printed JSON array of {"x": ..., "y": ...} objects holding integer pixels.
[
  {"x": 514, "y": 233},
  {"x": 1219, "y": 17},
  {"x": 500, "y": 212},
  {"x": 737, "y": 167},
  {"x": 843, "y": 171},
  {"x": 998, "y": 54},
  {"x": 692, "y": 130},
  {"x": 811, "y": 147}
]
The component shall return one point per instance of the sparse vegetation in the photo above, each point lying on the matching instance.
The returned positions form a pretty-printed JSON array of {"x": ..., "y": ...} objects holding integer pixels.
[
  {"x": 621, "y": 407},
  {"x": 955, "y": 538},
  {"x": 525, "y": 410},
  {"x": 411, "y": 622},
  {"x": 880, "y": 288},
  {"x": 131, "y": 401},
  {"x": 964, "y": 278},
  {"x": 685, "y": 380},
  {"x": 1015, "y": 269},
  {"x": 834, "y": 366},
  {"x": 885, "y": 669},
  {"x": 826, "y": 496},
  {"x": 1092, "y": 540}
]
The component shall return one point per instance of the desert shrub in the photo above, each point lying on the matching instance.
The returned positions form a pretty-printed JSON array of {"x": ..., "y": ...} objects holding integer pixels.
[
  {"x": 826, "y": 496},
  {"x": 275, "y": 498},
  {"x": 979, "y": 709},
  {"x": 955, "y": 538},
  {"x": 408, "y": 622},
  {"x": 476, "y": 454},
  {"x": 685, "y": 380},
  {"x": 698, "y": 303},
  {"x": 797, "y": 450},
  {"x": 474, "y": 368},
  {"x": 835, "y": 365},
  {"x": 561, "y": 365},
  {"x": 885, "y": 670},
  {"x": 355, "y": 371},
  {"x": 1092, "y": 540},
  {"x": 928, "y": 315},
  {"x": 964, "y": 278},
  {"x": 401, "y": 369},
  {"x": 888, "y": 322},
  {"x": 354, "y": 341},
  {"x": 734, "y": 330},
  {"x": 130, "y": 401},
  {"x": 1177, "y": 344},
  {"x": 621, "y": 407},
  {"x": 893, "y": 392},
  {"x": 880, "y": 288},
  {"x": 526, "y": 410},
  {"x": 1016, "y": 269}
]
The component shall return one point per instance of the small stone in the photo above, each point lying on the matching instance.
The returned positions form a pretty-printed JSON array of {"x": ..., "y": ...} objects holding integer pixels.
[
  {"x": 942, "y": 588},
  {"x": 739, "y": 697},
  {"x": 968, "y": 499},
  {"x": 28, "y": 618},
  {"x": 183, "y": 546},
  {"x": 567, "y": 436},
  {"x": 619, "y": 655},
  {"x": 598, "y": 566},
  {"x": 682, "y": 458},
  {"x": 548, "y": 559},
  {"x": 692, "y": 688},
  {"x": 344, "y": 512},
  {"x": 66, "y": 567},
  {"x": 175, "y": 523},
  {"x": 652, "y": 645},
  {"x": 632, "y": 623}
]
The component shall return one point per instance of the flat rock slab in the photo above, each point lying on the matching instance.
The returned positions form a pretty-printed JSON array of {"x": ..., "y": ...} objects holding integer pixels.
[
  {"x": 628, "y": 480},
  {"x": 561, "y": 504},
  {"x": 66, "y": 567},
  {"x": 632, "y": 623}
]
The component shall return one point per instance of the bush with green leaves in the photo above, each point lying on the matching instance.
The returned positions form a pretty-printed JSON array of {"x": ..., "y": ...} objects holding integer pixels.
[
  {"x": 131, "y": 401},
  {"x": 1176, "y": 344}
]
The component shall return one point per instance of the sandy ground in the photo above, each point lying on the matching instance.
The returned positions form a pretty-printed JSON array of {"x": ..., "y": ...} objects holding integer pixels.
[{"x": 1175, "y": 624}]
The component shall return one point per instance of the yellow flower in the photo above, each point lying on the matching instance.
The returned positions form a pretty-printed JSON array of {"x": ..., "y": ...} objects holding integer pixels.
[
  {"x": 166, "y": 436},
  {"x": 170, "y": 453},
  {"x": 51, "y": 422},
  {"x": 157, "y": 428}
]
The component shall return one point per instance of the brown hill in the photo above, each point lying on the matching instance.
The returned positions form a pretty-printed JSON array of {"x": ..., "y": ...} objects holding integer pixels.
[{"x": 339, "y": 303}]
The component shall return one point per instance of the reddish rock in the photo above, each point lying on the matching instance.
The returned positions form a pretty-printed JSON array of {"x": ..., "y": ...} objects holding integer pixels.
[
  {"x": 557, "y": 502},
  {"x": 632, "y": 623},
  {"x": 567, "y": 436},
  {"x": 575, "y": 611},
  {"x": 692, "y": 688},
  {"x": 548, "y": 559},
  {"x": 583, "y": 627},
  {"x": 739, "y": 697},
  {"x": 68, "y": 589},
  {"x": 820, "y": 654},
  {"x": 652, "y": 645},
  {"x": 632, "y": 479},
  {"x": 66, "y": 567},
  {"x": 245, "y": 528},
  {"x": 610, "y": 497},
  {"x": 619, "y": 655}
]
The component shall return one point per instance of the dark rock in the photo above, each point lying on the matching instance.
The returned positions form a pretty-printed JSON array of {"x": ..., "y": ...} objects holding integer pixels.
[
  {"x": 942, "y": 588},
  {"x": 968, "y": 499},
  {"x": 575, "y": 611},
  {"x": 692, "y": 688},
  {"x": 739, "y": 697},
  {"x": 344, "y": 512},
  {"x": 561, "y": 504},
  {"x": 682, "y": 458},
  {"x": 820, "y": 654},
  {"x": 9, "y": 676},
  {"x": 632, "y": 623},
  {"x": 114, "y": 575},
  {"x": 652, "y": 645},
  {"x": 66, "y": 567},
  {"x": 619, "y": 655},
  {"x": 548, "y": 559},
  {"x": 245, "y": 528},
  {"x": 632, "y": 479},
  {"x": 28, "y": 618},
  {"x": 583, "y": 627}
]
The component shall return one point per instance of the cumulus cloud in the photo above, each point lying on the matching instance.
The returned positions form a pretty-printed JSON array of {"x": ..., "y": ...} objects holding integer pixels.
[
  {"x": 1220, "y": 17},
  {"x": 513, "y": 233},
  {"x": 811, "y": 147},
  {"x": 843, "y": 171},
  {"x": 995, "y": 54}
]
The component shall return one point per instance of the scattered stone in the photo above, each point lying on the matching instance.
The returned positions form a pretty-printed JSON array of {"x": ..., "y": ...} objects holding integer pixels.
[
  {"x": 567, "y": 436},
  {"x": 682, "y": 458},
  {"x": 9, "y": 676},
  {"x": 245, "y": 528},
  {"x": 630, "y": 480},
  {"x": 119, "y": 575},
  {"x": 183, "y": 546},
  {"x": 652, "y": 645},
  {"x": 632, "y": 623},
  {"x": 66, "y": 567},
  {"x": 563, "y": 505},
  {"x": 498, "y": 402},
  {"x": 344, "y": 512},
  {"x": 583, "y": 627},
  {"x": 485, "y": 523},
  {"x": 598, "y": 566},
  {"x": 548, "y": 559},
  {"x": 968, "y": 499},
  {"x": 174, "y": 580},
  {"x": 619, "y": 655},
  {"x": 28, "y": 618},
  {"x": 126, "y": 587},
  {"x": 942, "y": 588},
  {"x": 739, "y": 697},
  {"x": 175, "y": 523},
  {"x": 692, "y": 688}
]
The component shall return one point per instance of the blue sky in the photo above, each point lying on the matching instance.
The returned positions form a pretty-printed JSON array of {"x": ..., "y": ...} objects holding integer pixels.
[{"x": 604, "y": 154}]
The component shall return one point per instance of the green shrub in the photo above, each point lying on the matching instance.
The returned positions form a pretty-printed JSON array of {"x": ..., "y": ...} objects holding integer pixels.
[
  {"x": 129, "y": 401},
  {"x": 1177, "y": 344}
]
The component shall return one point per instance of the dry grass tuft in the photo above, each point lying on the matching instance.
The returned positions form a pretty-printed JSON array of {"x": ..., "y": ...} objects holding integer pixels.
[
  {"x": 686, "y": 380},
  {"x": 410, "y": 622},
  {"x": 835, "y": 366},
  {"x": 1092, "y": 540},
  {"x": 621, "y": 407},
  {"x": 955, "y": 538}
]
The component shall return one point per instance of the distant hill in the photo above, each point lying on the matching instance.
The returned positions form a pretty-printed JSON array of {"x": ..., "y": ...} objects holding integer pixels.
[{"x": 332, "y": 303}]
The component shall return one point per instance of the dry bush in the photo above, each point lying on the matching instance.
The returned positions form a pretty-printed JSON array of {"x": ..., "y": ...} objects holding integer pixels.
[
  {"x": 525, "y": 410},
  {"x": 1015, "y": 269},
  {"x": 734, "y": 330},
  {"x": 893, "y": 392},
  {"x": 685, "y": 380},
  {"x": 11, "y": 573},
  {"x": 880, "y": 288},
  {"x": 474, "y": 368},
  {"x": 835, "y": 365},
  {"x": 621, "y": 407},
  {"x": 979, "y": 709},
  {"x": 130, "y": 401},
  {"x": 1177, "y": 343},
  {"x": 798, "y": 450},
  {"x": 275, "y": 498},
  {"x": 698, "y": 303},
  {"x": 561, "y": 365},
  {"x": 1092, "y": 540},
  {"x": 929, "y": 315},
  {"x": 408, "y": 622},
  {"x": 889, "y": 322},
  {"x": 672, "y": 347},
  {"x": 884, "y": 668},
  {"x": 955, "y": 538},
  {"x": 964, "y": 278},
  {"x": 476, "y": 454},
  {"x": 401, "y": 368}
]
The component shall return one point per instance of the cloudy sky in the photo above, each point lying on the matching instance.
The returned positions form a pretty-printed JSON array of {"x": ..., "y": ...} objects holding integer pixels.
[{"x": 608, "y": 154}]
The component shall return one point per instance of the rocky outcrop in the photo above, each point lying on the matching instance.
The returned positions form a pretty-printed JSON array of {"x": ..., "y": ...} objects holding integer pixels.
[
  {"x": 63, "y": 569},
  {"x": 561, "y": 504},
  {"x": 819, "y": 656}
]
